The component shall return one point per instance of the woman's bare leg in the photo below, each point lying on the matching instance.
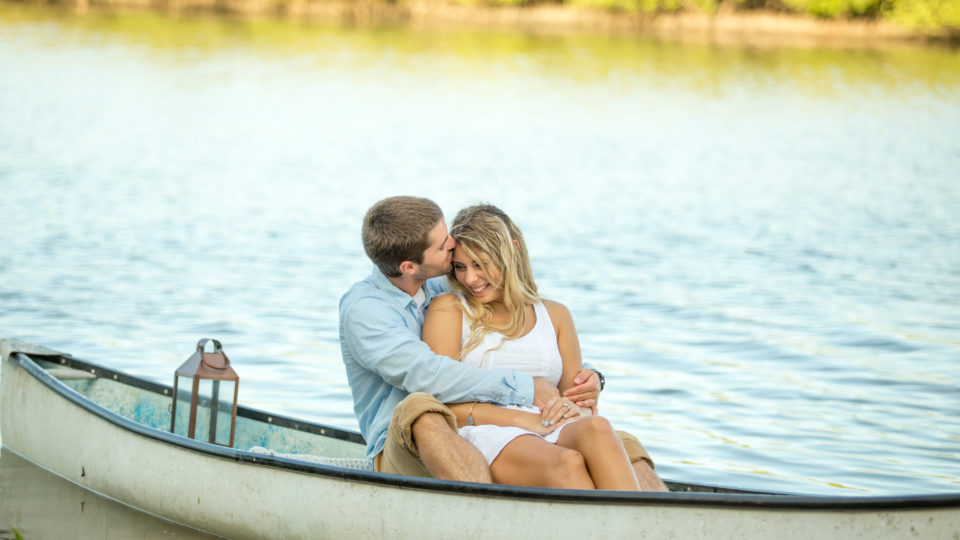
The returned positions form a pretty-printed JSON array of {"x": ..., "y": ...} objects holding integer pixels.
[
  {"x": 602, "y": 451},
  {"x": 531, "y": 461}
]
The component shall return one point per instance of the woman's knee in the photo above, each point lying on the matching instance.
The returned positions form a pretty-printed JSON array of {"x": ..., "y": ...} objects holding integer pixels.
[
  {"x": 571, "y": 462},
  {"x": 595, "y": 426}
]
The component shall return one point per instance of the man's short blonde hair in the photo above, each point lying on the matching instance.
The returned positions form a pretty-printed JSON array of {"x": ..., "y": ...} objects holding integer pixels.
[{"x": 397, "y": 229}]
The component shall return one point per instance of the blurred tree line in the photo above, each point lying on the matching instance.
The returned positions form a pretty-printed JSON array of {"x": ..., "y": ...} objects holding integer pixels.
[{"x": 925, "y": 15}]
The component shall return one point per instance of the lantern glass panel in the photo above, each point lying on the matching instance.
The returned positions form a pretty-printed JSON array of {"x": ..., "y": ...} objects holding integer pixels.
[
  {"x": 223, "y": 417},
  {"x": 181, "y": 422},
  {"x": 204, "y": 391},
  {"x": 215, "y": 411}
]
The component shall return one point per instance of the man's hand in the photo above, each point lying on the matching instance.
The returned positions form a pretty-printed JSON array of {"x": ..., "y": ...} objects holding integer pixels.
[
  {"x": 544, "y": 392},
  {"x": 586, "y": 390}
]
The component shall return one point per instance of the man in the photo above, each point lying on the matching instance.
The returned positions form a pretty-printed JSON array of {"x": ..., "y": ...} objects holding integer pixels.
[{"x": 399, "y": 385}]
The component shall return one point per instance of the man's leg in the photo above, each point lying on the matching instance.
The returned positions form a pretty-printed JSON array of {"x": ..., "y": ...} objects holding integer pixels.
[
  {"x": 641, "y": 463},
  {"x": 422, "y": 441},
  {"x": 648, "y": 480},
  {"x": 446, "y": 454}
]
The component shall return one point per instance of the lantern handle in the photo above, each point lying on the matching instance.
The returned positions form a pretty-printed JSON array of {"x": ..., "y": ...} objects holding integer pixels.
[
  {"x": 202, "y": 344},
  {"x": 217, "y": 350}
]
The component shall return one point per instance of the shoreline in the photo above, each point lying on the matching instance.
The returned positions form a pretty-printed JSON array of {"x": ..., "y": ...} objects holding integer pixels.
[{"x": 749, "y": 28}]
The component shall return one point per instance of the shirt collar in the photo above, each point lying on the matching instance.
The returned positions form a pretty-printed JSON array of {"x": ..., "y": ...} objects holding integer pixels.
[{"x": 393, "y": 293}]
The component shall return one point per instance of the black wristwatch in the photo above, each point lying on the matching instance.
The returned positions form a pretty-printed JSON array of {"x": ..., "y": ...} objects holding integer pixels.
[{"x": 602, "y": 380}]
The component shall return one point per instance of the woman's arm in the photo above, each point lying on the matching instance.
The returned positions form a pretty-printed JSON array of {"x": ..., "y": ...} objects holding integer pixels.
[
  {"x": 488, "y": 413},
  {"x": 584, "y": 387},
  {"x": 569, "y": 346},
  {"x": 567, "y": 342},
  {"x": 442, "y": 325}
]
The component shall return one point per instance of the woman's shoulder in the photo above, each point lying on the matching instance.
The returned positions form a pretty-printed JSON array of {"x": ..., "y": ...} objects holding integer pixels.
[
  {"x": 445, "y": 301},
  {"x": 559, "y": 314},
  {"x": 554, "y": 307}
]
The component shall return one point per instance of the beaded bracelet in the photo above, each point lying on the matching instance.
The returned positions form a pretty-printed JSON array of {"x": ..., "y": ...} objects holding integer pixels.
[{"x": 470, "y": 414}]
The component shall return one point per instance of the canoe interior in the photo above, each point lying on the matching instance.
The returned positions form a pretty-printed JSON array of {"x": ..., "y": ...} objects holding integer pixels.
[{"x": 149, "y": 404}]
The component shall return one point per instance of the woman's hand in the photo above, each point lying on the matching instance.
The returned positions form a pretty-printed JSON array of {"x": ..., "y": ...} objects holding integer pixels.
[
  {"x": 533, "y": 422},
  {"x": 559, "y": 411}
]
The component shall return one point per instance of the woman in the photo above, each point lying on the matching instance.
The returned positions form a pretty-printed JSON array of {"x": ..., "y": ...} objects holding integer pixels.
[{"x": 495, "y": 319}]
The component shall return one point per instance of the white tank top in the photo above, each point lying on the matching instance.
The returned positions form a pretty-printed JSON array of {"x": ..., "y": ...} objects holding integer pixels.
[{"x": 535, "y": 353}]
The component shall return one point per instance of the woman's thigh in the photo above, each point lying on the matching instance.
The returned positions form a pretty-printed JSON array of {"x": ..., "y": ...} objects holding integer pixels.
[{"x": 529, "y": 460}]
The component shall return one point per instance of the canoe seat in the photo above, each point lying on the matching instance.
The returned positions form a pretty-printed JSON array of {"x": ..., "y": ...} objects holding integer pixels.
[{"x": 347, "y": 463}]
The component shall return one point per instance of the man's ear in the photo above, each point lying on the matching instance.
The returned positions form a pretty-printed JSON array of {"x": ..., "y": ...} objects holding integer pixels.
[{"x": 407, "y": 267}]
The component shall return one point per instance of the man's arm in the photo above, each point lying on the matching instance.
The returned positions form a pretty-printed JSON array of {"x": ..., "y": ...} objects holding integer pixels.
[{"x": 378, "y": 340}]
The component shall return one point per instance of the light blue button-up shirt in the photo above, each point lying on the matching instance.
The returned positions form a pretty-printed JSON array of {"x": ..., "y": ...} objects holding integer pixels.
[{"x": 386, "y": 361}]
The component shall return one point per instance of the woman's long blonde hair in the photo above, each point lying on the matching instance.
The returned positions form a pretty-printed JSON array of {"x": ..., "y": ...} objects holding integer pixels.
[{"x": 489, "y": 237}]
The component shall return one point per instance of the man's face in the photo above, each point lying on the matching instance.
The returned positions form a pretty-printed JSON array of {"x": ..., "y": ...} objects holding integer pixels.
[{"x": 437, "y": 256}]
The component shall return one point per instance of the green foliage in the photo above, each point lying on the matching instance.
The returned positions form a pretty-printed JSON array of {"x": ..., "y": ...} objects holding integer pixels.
[
  {"x": 927, "y": 15},
  {"x": 837, "y": 8},
  {"x": 512, "y": 2},
  {"x": 706, "y": 6},
  {"x": 632, "y": 6}
]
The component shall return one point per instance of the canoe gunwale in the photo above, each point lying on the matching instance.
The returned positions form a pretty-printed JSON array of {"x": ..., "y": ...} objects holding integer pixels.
[
  {"x": 242, "y": 411},
  {"x": 721, "y": 498}
]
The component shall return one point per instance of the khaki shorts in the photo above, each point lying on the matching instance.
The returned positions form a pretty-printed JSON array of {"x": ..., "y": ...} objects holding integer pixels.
[
  {"x": 400, "y": 454},
  {"x": 635, "y": 450}
]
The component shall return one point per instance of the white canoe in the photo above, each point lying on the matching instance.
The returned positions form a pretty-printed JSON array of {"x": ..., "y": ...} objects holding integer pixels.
[{"x": 109, "y": 433}]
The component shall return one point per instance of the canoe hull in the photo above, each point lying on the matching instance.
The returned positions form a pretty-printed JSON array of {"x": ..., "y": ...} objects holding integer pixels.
[{"x": 256, "y": 498}]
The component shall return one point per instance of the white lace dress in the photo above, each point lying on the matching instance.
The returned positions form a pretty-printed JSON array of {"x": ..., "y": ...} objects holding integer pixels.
[{"x": 535, "y": 353}]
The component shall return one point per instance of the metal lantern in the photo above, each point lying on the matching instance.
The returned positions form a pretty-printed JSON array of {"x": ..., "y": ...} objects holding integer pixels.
[{"x": 205, "y": 396}]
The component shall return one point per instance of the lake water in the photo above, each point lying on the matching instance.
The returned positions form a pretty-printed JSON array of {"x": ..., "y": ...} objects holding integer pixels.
[{"x": 759, "y": 246}]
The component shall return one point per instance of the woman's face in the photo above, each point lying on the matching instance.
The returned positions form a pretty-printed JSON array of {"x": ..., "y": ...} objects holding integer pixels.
[{"x": 468, "y": 272}]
